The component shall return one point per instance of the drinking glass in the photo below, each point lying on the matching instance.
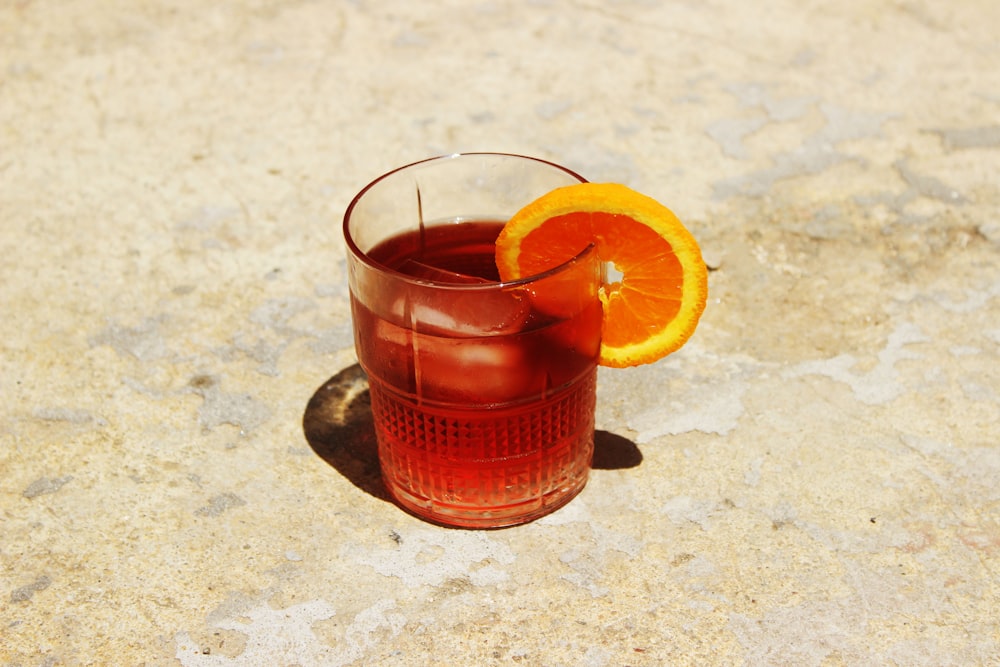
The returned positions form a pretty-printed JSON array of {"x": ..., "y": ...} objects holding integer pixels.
[{"x": 482, "y": 392}]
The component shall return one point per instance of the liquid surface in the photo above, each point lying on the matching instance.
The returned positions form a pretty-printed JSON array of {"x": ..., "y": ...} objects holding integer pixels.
[{"x": 463, "y": 252}]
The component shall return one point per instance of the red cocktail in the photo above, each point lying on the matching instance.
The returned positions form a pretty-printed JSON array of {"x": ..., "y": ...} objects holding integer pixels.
[{"x": 483, "y": 393}]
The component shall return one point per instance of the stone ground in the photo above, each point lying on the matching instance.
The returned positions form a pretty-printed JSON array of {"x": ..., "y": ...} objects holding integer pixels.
[{"x": 812, "y": 480}]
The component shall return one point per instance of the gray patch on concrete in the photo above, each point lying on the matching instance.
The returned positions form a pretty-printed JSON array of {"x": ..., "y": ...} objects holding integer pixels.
[
  {"x": 25, "y": 593},
  {"x": 275, "y": 313},
  {"x": 928, "y": 186},
  {"x": 64, "y": 415},
  {"x": 288, "y": 633},
  {"x": 990, "y": 230},
  {"x": 236, "y": 605},
  {"x": 220, "y": 503},
  {"x": 756, "y": 95},
  {"x": 333, "y": 339},
  {"x": 960, "y": 138},
  {"x": 730, "y": 132},
  {"x": 877, "y": 385},
  {"x": 143, "y": 341},
  {"x": 829, "y": 223},
  {"x": 45, "y": 485},
  {"x": 220, "y": 407},
  {"x": 816, "y": 154},
  {"x": 598, "y": 163},
  {"x": 684, "y": 509},
  {"x": 274, "y": 317},
  {"x": 266, "y": 353}
]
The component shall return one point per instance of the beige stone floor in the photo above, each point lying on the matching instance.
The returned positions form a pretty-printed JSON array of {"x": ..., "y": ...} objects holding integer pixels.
[{"x": 813, "y": 480}]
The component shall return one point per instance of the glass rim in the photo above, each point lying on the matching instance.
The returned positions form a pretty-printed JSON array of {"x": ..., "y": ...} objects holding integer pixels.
[{"x": 438, "y": 284}]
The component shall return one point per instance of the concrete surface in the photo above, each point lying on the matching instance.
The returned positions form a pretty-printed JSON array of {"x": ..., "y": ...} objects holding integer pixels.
[{"x": 185, "y": 473}]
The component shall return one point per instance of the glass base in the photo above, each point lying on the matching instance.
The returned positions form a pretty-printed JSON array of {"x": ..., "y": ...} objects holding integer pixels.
[
  {"x": 486, "y": 517},
  {"x": 486, "y": 468}
]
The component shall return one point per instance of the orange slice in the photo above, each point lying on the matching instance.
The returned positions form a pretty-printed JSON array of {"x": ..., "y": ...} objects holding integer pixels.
[{"x": 657, "y": 284}]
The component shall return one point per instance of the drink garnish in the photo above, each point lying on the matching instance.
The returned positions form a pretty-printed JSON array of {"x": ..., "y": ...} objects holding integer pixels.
[{"x": 656, "y": 283}]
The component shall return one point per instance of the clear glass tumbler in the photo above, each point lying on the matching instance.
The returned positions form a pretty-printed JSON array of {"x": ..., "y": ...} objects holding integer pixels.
[{"x": 482, "y": 392}]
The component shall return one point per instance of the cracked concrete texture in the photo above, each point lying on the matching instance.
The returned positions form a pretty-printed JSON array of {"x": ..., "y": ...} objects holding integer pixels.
[{"x": 185, "y": 473}]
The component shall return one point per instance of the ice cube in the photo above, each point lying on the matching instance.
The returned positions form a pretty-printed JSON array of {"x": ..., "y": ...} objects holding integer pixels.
[
  {"x": 464, "y": 313},
  {"x": 479, "y": 370},
  {"x": 474, "y": 371}
]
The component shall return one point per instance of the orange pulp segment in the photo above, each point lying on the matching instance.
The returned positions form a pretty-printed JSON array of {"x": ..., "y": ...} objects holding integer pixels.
[{"x": 658, "y": 282}]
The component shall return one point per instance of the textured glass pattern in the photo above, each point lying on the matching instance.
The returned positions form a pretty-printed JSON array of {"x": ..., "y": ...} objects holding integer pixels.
[{"x": 510, "y": 462}]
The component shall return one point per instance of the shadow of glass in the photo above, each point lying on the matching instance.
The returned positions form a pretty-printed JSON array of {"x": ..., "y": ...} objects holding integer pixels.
[
  {"x": 338, "y": 425},
  {"x": 614, "y": 452}
]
